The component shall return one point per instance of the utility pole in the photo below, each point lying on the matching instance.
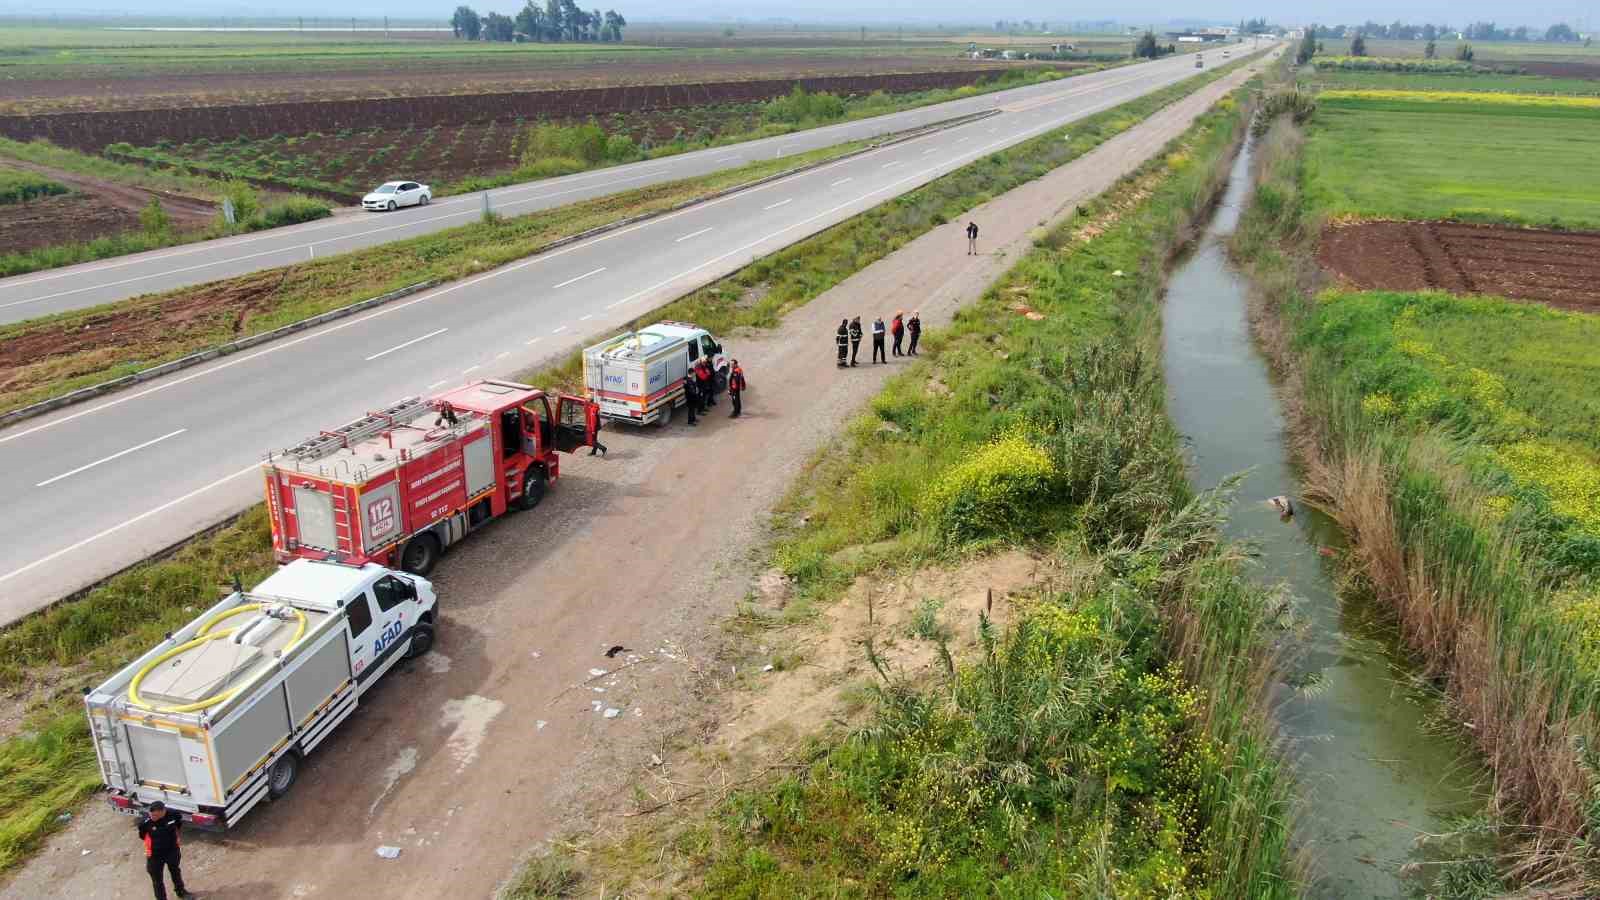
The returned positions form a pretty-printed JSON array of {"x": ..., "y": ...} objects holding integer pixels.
[{"x": 385, "y": 27}]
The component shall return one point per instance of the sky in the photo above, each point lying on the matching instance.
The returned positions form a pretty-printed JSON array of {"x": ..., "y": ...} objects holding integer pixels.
[{"x": 1539, "y": 13}]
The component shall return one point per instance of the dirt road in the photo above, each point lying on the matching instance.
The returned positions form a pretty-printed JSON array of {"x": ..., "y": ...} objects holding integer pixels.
[
  {"x": 95, "y": 208},
  {"x": 499, "y": 739}
]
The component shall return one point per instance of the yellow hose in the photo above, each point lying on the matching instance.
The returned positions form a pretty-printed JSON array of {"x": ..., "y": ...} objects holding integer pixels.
[{"x": 202, "y": 635}]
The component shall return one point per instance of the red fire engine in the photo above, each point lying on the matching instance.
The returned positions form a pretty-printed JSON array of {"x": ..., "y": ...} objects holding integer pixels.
[{"x": 399, "y": 485}]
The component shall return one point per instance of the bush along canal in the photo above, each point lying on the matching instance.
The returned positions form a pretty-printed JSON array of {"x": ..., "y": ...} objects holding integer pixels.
[{"x": 1377, "y": 770}]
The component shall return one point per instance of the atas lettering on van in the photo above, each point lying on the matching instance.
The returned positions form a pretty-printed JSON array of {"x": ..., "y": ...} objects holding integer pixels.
[
  {"x": 618, "y": 380},
  {"x": 390, "y": 633}
]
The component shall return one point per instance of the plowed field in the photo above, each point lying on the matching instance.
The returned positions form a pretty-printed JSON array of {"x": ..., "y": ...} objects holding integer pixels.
[{"x": 1560, "y": 268}]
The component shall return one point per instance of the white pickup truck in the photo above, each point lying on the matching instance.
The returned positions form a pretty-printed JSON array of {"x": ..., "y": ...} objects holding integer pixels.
[
  {"x": 220, "y": 714},
  {"x": 638, "y": 376}
]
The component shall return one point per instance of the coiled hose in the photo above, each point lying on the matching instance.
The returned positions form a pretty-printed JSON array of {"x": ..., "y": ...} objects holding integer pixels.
[{"x": 203, "y": 635}]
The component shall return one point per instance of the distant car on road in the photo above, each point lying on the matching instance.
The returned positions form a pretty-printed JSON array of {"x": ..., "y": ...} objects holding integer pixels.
[{"x": 393, "y": 194}]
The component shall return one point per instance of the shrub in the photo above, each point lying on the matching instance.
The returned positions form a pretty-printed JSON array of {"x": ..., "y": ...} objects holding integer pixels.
[
  {"x": 991, "y": 492},
  {"x": 17, "y": 187},
  {"x": 801, "y": 106},
  {"x": 153, "y": 219},
  {"x": 1293, "y": 103},
  {"x": 246, "y": 202},
  {"x": 621, "y": 148},
  {"x": 586, "y": 143},
  {"x": 291, "y": 211}
]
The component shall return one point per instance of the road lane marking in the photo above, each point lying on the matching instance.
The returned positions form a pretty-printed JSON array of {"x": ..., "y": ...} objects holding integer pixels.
[
  {"x": 119, "y": 455},
  {"x": 890, "y": 164},
  {"x": 382, "y": 353},
  {"x": 841, "y": 181},
  {"x": 691, "y": 235},
  {"x": 930, "y": 150},
  {"x": 52, "y": 557},
  {"x": 587, "y": 318},
  {"x": 501, "y": 355},
  {"x": 559, "y": 329},
  {"x": 470, "y": 369},
  {"x": 531, "y": 341},
  {"x": 578, "y": 279},
  {"x": 440, "y": 383},
  {"x": 783, "y": 202}
]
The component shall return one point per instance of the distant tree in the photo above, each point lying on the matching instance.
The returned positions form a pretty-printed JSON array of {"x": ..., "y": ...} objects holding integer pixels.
[
  {"x": 497, "y": 27},
  {"x": 1429, "y": 32},
  {"x": 1430, "y": 50},
  {"x": 596, "y": 23},
  {"x": 1560, "y": 31},
  {"x": 1358, "y": 46},
  {"x": 571, "y": 19},
  {"x": 530, "y": 21},
  {"x": 554, "y": 26},
  {"x": 465, "y": 23},
  {"x": 614, "y": 24},
  {"x": 1308, "y": 47},
  {"x": 1147, "y": 48},
  {"x": 1464, "y": 53}
]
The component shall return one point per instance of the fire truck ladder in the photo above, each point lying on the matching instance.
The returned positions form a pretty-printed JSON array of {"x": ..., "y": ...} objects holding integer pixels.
[{"x": 372, "y": 423}]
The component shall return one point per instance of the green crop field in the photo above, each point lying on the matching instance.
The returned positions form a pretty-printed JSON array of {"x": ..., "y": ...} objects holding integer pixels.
[
  {"x": 1468, "y": 81},
  {"x": 1504, "y": 51},
  {"x": 1406, "y": 159}
]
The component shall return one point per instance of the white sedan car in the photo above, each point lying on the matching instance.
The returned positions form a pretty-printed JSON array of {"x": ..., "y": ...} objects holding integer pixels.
[{"x": 393, "y": 194}]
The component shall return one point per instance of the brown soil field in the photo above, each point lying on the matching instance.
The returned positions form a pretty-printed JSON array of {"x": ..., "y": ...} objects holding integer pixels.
[
  {"x": 93, "y": 130},
  {"x": 1562, "y": 69},
  {"x": 95, "y": 208},
  {"x": 99, "y": 93},
  {"x": 1559, "y": 268}
]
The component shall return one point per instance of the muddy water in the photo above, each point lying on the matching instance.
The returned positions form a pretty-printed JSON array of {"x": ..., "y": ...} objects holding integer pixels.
[{"x": 1374, "y": 774}]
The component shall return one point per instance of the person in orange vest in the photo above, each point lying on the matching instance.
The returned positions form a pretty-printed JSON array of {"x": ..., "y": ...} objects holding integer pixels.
[
  {"x": 159, "y": 832},
  {"x": 707, "y": 383},
  {"x": 736, "y": 388}
]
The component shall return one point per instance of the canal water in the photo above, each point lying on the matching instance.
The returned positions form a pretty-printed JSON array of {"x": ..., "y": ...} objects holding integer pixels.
[{"x": 1373, "y": 774}]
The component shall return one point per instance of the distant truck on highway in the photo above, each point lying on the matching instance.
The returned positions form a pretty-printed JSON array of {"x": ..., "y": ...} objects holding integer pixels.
[
  {"x": 220, "y": 715},
  {"x": 638, "y": 377},
  {"x": 399, "y": 485}
]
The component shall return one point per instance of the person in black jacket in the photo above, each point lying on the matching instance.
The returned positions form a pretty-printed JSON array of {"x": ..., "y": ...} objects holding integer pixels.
[
  {"x": 914, "y": 331},
  {"x": 736, "y": 386},
  {"x": 159, "y": 832},
  {"x": 841, "y": 342},
  {"x": 855, "y": 338},
  {"x": 691, "y": 394}
]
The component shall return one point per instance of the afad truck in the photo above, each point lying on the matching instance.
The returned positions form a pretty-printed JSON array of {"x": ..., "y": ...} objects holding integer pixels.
[
  {"x": 638, "y": 376},
  {"x": 219, "y": 716},
  {"x": 399, "y": 485}
]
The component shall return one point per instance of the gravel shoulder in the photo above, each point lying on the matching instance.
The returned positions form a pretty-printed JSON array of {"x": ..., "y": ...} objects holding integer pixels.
[{"x": 499, "y": 739}]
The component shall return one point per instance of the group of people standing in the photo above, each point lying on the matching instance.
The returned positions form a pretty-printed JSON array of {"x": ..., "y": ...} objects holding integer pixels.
[
  {"x": 848, "y": 337},
  {"x": 700, "y": 388}
]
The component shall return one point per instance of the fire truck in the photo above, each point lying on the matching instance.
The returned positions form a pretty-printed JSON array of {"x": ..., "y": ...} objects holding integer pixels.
[{"x": 399, "y": 485}]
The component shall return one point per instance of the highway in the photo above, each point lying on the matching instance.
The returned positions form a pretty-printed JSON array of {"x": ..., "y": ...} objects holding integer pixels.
[
  {"x": 91, "y": 284},
  {"x": 98, "y": 486}
]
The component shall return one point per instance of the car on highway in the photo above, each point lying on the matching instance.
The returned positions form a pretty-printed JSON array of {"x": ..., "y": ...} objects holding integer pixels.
[{"x": 394, "y": 194}]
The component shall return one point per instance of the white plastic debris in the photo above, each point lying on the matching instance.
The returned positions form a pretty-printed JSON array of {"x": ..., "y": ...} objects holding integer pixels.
[
  {"x": 86, "y": 853},
  {"x": 388, "y": 852},
  {"x": 596, "y": 673},
  {"x": 539, "y": 725},
  {"x": 1117, "y": 274},
  {"x": 655, "y": 759},
  {"x": 767, "y": 667},
  {"x": 612, "y": 712}
]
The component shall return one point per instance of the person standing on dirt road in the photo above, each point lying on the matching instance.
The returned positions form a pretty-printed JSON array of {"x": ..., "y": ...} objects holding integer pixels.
[
  {"x": 736, "y": 388},
  {"x": 707, "y": 384},
  {"x": 972, "y": 238},
  {"x": 877, "y": 340},
  {"x": 855, "y": 338},
  {"x": 159, "y": 831},
  {"x": 914, "y": 330},
  {"x": 898, "y": 329},
  {"x": 841, "y": 343}
]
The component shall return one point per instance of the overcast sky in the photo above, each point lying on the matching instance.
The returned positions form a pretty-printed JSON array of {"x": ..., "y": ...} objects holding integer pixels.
[{"x": 1538, "y": 13}]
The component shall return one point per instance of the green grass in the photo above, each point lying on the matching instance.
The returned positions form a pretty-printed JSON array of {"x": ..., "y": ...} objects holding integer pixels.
[
  {"x": 1468, "y": 81},
  {"x": 1108, "y": 744},
  {"x": 17, "y": 186},
  {"x": 89, "y": 635},
  {"x": 1454, "y": 438},
  {"x": 1493, "y": 163},
  {"x": 48, "y": 154}
]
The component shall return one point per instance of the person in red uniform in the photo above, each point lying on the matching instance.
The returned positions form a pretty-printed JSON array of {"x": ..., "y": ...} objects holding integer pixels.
[
  {"x": 159, "y": 832},
  {"x": 707, "y": 383},
  {"x": 736, "y": 388},
  {"x": 897, "y": 330}
]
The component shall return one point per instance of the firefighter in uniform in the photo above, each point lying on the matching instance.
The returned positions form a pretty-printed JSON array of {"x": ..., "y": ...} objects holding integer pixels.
[
  {"x": 691, "y": 394},
  {"x": 708, "y": 385},
  {"x": 735, "y": 388},
  {"x": 159, "y": 832},
  {"x": 855, "y": 338},
  {"x": 841, "y": 342}
]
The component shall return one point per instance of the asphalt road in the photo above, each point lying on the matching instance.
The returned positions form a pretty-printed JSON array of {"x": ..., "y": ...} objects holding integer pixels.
[
  {"x": 99, "y": 486},
  {"x": 91, "y": 284}
]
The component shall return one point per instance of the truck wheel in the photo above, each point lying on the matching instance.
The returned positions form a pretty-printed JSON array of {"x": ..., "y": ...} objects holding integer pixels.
[
  {"x": 420, "y": 555},
  {"x": 421, "y": 641},
  {"x": 665, "y": 418},
  {"x": 282, "y": 774},
  {"x": 533, "y": 485}
]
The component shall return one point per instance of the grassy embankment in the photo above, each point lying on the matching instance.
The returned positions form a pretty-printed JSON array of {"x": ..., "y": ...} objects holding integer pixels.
[
  {"x": 1456, "y": 441},
  {"x": 117, "y": 620},
  {"x": 1111, "y": 741},
  {"x": 255, "y": 215}
]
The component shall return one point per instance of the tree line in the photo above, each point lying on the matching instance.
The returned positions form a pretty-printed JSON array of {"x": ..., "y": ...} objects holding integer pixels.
[
  {"x": 555, "y": 21},
  {"x": 1560, "y": 32}
]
